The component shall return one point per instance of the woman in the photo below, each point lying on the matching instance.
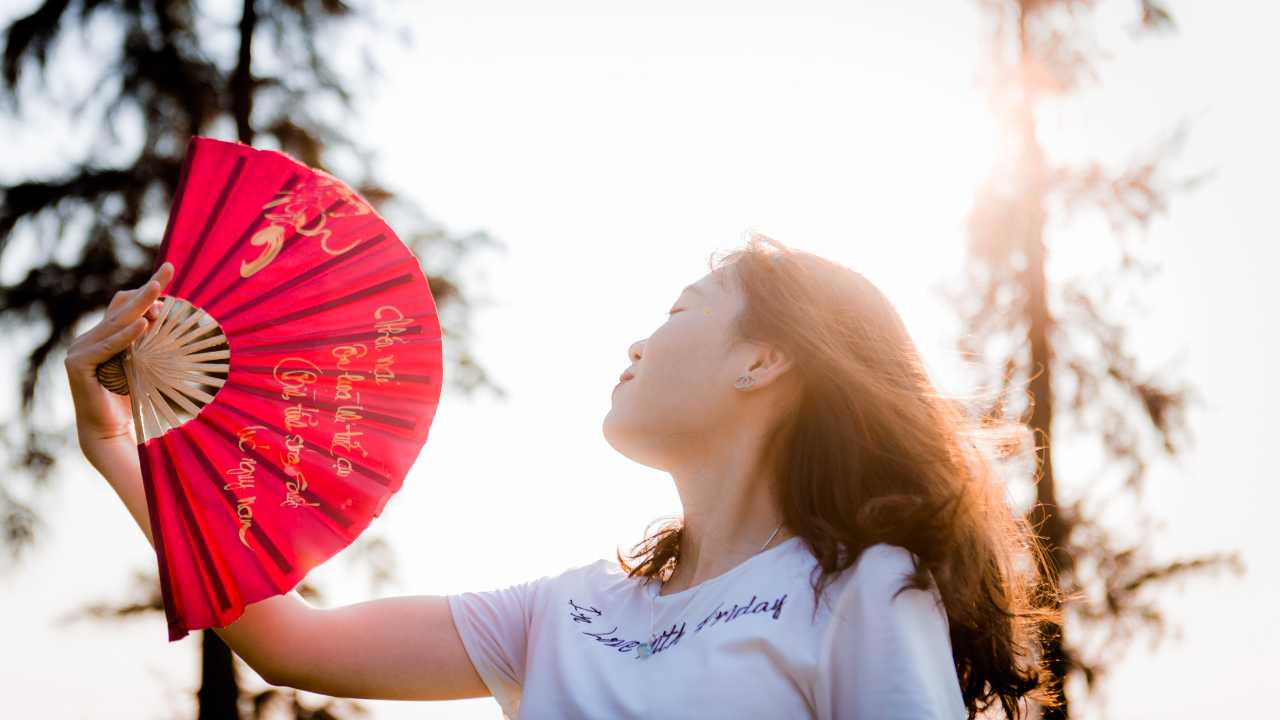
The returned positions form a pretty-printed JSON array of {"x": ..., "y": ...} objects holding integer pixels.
[{"x": 845, "y": 550}]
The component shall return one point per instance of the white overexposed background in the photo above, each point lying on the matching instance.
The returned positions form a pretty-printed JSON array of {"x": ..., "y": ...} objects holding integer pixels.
[{"x": 613, "y": 147}]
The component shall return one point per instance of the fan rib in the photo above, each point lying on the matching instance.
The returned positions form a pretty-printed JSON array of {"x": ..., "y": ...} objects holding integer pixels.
[
  {"x": 168, "y": 338},
  {"x": 177, "y": 397},
  {"x": 207, "y": 342},
  {"x": 178, "y": 366},
  {"x": 162, "y": 317},
  {"x": 161, "y": 403},
  {"x": 131, "y": 372},
  {"x": 214, "y": 355},
  {"x": 149, "y": 416},
  {"x": 197, "y": 332},
  {"x": 193, "y": 392}
]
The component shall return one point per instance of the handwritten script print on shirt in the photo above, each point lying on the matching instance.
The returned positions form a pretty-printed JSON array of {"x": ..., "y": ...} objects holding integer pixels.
[{"x": 672, "y": 636}]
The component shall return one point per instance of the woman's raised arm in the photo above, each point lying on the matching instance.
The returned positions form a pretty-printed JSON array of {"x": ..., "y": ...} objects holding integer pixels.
[{"x": 398, "y": 648}]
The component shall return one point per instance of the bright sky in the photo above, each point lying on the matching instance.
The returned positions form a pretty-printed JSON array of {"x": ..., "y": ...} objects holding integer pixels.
[{"x": 613, "y": 152}]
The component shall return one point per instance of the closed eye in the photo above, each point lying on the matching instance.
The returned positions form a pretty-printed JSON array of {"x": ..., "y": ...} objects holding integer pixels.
[{"x": 673, "y": 312}]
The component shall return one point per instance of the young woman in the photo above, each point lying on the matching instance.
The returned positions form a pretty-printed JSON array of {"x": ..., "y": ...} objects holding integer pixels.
[{"x": 845, "y": 549}]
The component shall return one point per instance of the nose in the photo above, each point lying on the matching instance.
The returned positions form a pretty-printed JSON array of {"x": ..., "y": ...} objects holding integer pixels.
[{"x": 633, "y": 354}]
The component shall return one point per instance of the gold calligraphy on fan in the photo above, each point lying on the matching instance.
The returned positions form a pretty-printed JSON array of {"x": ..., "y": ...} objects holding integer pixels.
[
  {"x": 294, "y": 375},
  {"x": 295, "y": 487},
  {"x": 244, "y": 476},
  {"x": 304, "y": 211},
  {"x": 390, "y": 324},
  {"x": 305, "y": 386}
]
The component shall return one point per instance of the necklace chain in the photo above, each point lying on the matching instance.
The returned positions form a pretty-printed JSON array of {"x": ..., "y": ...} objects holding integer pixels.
[{"x": 645, "y": 649}]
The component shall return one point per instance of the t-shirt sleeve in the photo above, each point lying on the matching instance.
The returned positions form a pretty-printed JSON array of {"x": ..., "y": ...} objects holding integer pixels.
[
  {"x": 494, "y": 627},
  {"x": 887, "y": 658}
]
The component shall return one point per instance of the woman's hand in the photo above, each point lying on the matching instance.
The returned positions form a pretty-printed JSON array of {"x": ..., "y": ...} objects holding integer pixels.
[{"x": 101, "y": 415}]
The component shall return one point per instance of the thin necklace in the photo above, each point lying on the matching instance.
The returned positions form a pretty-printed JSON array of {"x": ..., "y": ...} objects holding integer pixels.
[{"x": 645, "y": 649}]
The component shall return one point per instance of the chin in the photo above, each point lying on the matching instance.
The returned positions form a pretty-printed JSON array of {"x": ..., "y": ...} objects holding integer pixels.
[
  {"x": 609, "y": 429},
  {"x": 629, "y": 444},
  {"x": 615, "y": 433}
]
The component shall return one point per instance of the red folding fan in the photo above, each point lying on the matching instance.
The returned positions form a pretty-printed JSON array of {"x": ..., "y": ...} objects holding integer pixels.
[{"x": 286, "y": 386}]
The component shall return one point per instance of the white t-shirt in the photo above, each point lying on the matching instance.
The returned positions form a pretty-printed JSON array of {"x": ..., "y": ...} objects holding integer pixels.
[{"x": 740, "y": 645}]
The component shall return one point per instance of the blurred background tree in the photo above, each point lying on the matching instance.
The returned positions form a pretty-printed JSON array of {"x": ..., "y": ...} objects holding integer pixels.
[
  {"x": 138, "y": 78},
  {"x": 1038, "y": 342}
]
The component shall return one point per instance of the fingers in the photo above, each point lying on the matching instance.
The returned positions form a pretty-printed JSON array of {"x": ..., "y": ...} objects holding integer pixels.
[
  {"x": 128, "y": 305},
  {"x": 86, "y": 354},
  {"x": 162, "y": 275},
  {"x": 129, "y": 313},
  {"x": 145, "y": 296},
  {"x": 119, "y": 298},
  {"x": 119, "y": 340}
]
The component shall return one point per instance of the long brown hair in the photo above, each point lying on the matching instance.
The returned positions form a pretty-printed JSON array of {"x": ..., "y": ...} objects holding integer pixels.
[{"x": 872, "y": 453}]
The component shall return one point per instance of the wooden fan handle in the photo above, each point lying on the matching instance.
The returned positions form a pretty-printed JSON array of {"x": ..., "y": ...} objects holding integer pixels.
[{"x": 111, "y": 374}]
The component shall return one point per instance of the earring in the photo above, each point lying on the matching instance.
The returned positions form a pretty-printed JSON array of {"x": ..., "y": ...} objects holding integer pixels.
[{"x": 745, "y": 381}]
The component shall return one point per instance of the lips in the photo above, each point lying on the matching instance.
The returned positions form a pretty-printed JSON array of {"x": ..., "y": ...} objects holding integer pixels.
[{"x": 626, "y": 377}]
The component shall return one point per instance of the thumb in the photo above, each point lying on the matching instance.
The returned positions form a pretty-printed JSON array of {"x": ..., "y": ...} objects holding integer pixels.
[{"x": 102, "y": 350}]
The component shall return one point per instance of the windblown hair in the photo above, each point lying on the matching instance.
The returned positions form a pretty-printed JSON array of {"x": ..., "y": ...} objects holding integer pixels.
[{"x": 870, "y": 452}]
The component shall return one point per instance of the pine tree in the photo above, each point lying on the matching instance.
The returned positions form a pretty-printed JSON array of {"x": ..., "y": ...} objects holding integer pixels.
[
  {"x": 282, "y": 74},
  {"x": 1045, "y": 340}
]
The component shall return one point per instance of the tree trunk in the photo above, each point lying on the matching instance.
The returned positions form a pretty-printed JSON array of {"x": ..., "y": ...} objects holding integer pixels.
[
  {"x": 1044, "y": 516},
  {"x": 242, "y": 76},
  {"x": 219, "y": 694}
]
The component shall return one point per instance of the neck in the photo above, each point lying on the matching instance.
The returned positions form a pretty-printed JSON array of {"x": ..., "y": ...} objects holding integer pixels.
[{"x": 727, "y": 519}]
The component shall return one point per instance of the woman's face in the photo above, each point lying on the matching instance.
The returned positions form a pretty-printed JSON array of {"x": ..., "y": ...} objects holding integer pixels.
[{"x": 681, "y": 387}]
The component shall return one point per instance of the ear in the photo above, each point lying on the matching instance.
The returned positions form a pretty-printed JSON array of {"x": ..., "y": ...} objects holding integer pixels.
[{"x": 770, "y": 365}]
